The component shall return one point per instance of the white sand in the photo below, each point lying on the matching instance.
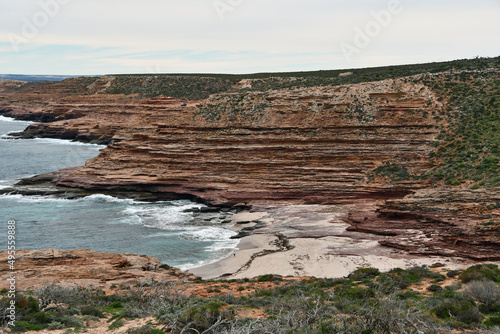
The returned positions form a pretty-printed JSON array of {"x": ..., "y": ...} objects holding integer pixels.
[
  {"x": 314, "y": 257},
  {"x": 247, "y": 247},
  {"x": 320, "y": 247}
]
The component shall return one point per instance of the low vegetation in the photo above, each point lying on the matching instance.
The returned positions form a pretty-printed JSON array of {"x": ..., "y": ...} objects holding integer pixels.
[
  {"x": 198, "y": 86},
  {"x": 393, "y": 171},
  {"x": 182, "y": 87},
  {"x": 415, "y": 300},
  {"x": 468, "y": 150}
]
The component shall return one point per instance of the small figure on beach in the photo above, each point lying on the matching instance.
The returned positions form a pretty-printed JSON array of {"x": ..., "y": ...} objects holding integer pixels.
[{"x": 234, "y": 253}]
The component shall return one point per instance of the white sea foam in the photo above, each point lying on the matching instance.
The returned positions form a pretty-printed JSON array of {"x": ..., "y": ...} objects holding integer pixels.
[
  {"x": 9, "y": 119},
  {"x": 130, "y": 220},
  {"x": 220, "y": 251},
  {"x": 97, "y": 198},
  {"x": 221, "y": 248},
  {"x": 100, "y": 198},
  {"x": 168, "y": 219},
  {"x": 54, "y": 141},
  {"x": 6, "y": 183},
  {"x": 208, "y": 233},
  {"x": 191, "y": 265},
  {"x": 229, "y": 244},
  {"x": 176, "y": 223},
  {"x": 165, "y": 217},
  {"x": 33, "y": 199}
]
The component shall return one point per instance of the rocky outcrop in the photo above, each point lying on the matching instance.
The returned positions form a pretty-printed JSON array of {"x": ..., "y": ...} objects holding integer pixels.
[
  {"x": 36, "y": 268},
  {"x": 451, "y": 222},
  {"x": 7, "y": 84}
]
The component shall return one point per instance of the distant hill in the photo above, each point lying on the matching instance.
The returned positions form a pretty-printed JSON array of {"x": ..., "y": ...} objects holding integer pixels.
[{"x": 33, "y": 78}]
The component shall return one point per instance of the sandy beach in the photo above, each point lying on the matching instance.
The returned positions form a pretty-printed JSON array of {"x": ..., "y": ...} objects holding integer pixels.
[{"x": 310, "y": 240}]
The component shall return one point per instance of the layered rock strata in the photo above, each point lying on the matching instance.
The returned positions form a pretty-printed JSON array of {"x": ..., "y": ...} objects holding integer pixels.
[
  {"x": 314, "y": 145},
  {"x": 452, "y": 222},
  {"x": 307, "y": 145}
]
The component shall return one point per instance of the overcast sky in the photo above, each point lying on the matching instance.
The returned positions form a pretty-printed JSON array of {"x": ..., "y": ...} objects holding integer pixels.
[{"x": 239, "y": 36}]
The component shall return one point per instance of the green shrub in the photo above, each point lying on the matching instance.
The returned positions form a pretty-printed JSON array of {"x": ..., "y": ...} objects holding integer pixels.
[
  {"x": 264, "y": 293},
  {"x": 54, "y": 325},
  {"x": 270, "y": 277},
  {"x": 23, "y": 326},
  {"x": 410, "y": 294},
  {"x": 116, "y": 304},
  {"x": 28, "y": 304},
  {"x": 492, "y": 321},
  {"x": 463, "y": 310},
  {"x": 404, "y": 278},
  {"x": 452, "y": 182},
  {"x": 453, "y": 273},
  {"x": 326, "y": 283},
  {"x": 435, "y": 288},
  {"x": 454, "y": 287},
  {"x": 392, "y": 171},
  {"x": 133, "y": 310},
  {"x": 71, "y": 321},
  {"x": 201, "y": 317},
  {"x": 91, "y": 310},
  {"x": 146, "y": 329},
  {"x": 116, "y": 324},
  {"x": 354, "y": 292},
  {"x": 362, "y": 273},
  {"x": 37, "y": 318},
  {"x": 481, "y": 271}
]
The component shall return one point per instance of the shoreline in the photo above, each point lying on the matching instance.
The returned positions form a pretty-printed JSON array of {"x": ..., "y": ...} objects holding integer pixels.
[
  {"x": 334, "y": 255},
  {"x": 256, "y": 256}
]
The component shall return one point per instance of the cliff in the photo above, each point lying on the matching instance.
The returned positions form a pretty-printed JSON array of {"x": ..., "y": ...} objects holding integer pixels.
[
  {"x": 285, "y": 139},
  {"x": 311, "y": 145}
]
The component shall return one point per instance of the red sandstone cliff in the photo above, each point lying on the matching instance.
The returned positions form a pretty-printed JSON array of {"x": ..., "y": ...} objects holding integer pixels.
[
  {"x": 316, "y": 144},
  {"x": 312, "y": 145}
]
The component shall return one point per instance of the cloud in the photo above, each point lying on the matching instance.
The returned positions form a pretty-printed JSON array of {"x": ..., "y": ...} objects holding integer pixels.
[{"x": 120, "y": 36}]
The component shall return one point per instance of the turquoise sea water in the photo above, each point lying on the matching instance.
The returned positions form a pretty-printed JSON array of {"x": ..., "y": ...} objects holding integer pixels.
[{"x": 99, "y": 222}]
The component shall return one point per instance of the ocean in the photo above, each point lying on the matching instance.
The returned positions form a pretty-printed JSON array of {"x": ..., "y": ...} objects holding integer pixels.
[{"x": 167, "y": 230}]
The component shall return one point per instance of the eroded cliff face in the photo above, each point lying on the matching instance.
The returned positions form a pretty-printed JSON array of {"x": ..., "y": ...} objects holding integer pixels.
[
  {"x": 312, "y": 145},
  {"x": 309, "y": 145}
]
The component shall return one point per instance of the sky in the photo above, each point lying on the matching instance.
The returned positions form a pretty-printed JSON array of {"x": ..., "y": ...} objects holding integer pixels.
[{"x": 94, "y": 37}]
